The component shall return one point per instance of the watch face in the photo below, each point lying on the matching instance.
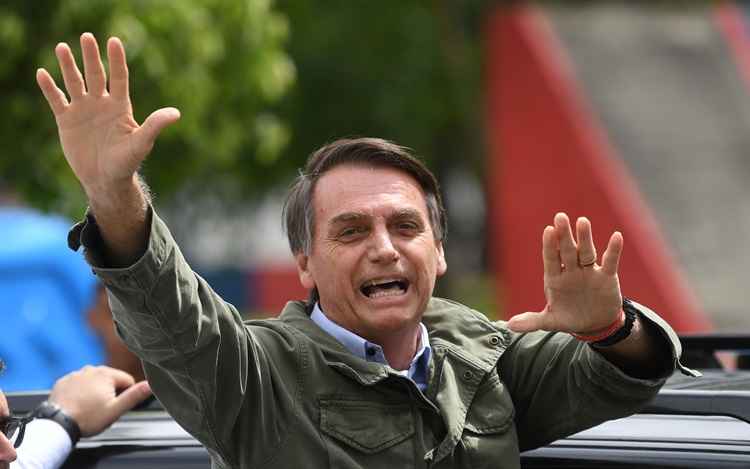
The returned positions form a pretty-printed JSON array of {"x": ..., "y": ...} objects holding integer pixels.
[{"x": 46, "y": 410}]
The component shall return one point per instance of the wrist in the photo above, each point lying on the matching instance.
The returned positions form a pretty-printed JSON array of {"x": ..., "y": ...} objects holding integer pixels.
[
  {"x": 602, "y": 333},
  {"x": 616, "y": 332},
  {"x": 111, "y": 198},
  {"x": 51, "y": 411}
]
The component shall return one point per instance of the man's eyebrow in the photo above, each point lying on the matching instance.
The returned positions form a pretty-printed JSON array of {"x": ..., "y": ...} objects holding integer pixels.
[
  {"x": 399, "y": 214},
  {"x": 347, "y": 217},
  {"x": 406, "y": 213}
]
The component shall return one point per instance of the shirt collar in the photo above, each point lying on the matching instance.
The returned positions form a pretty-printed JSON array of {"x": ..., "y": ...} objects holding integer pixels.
[{"x": 372, "y": 352}]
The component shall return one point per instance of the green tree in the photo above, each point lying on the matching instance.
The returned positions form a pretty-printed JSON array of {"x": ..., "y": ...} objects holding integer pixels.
[
  {"x": 222, "y": 63},
  {"x": 409, "y": 71}
]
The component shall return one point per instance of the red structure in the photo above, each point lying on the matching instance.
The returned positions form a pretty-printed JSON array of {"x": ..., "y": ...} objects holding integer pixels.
[
  {"x": 274, "y": 285},
  {"x": 548, "y": 154},
  {"x": 732, "y": 23}
]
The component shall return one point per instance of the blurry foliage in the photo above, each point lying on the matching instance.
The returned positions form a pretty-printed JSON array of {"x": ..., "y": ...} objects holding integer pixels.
[
  {"x": 223, "y": 64},
  {"x": 407, "y": 71}
]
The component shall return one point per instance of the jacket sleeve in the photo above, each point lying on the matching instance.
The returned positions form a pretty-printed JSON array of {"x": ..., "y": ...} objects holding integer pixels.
[
  {"x": 561, "y": 386},
  {"x": 200, "y": 359}
]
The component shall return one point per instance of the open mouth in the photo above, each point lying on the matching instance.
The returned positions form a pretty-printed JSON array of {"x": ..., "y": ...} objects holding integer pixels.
[{"x": 384, "y": 287}]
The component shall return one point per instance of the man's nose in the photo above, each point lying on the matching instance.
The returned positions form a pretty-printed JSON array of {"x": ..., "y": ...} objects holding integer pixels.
[
  {"x": 7, "y": 452},
  {"x": 381, "y": 249}
]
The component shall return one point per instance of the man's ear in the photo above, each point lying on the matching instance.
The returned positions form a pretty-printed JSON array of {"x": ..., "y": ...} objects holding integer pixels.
[
  {"x": 442, "y": 266},
  {"x": 305, "y": 276}
]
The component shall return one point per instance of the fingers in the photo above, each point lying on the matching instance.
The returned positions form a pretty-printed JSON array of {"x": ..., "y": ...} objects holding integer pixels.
[
  {"x": 550, "y": 252},
  {"x": 586, "y": 248},
  {"x": 568, "y": 249},
  {"x": 152, "y": 126},
  {"x": 580, "y": 251},
  {"x": 611, "y": 257},
  {"x": 54, "y": 95},
  {"x": 130, "y": 398},
  {"x": 528, "y": 322},
  {"x": 118, "y": 69},
  {"x": 96, "y": 79},
  {"x": 94, "y": 420},
  {"x": 71, "y": 75},
  {"x": 120, "y": 379}
]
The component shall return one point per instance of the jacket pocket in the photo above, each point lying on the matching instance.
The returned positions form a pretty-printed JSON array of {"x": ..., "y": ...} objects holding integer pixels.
[
  {"x": 489, "y": 439},
  {"x": 366, "y": 434}
]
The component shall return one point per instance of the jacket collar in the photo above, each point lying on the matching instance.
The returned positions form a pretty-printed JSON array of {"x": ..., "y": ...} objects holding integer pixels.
[
  {"x": 452, "y": 327},
  {"x": 466, "y": 333},
  {"x": 336, "y": 355}
]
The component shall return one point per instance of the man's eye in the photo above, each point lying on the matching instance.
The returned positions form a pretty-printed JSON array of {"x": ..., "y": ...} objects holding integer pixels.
[
  {"x": 408, "y": 226},
  {"x": 351, "y": 232}
]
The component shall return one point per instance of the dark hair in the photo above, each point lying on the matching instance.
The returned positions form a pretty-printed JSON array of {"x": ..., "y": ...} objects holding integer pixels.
[{"x": 298, "y": 213}]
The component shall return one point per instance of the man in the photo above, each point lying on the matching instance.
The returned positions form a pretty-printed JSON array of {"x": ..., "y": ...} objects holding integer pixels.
[
  {"x": 373, "y": 371},
  {"x": 82, "y": 403}
]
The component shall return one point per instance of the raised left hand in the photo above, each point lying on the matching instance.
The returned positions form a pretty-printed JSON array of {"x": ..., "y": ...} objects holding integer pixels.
[{"x": 583, "y": 297}]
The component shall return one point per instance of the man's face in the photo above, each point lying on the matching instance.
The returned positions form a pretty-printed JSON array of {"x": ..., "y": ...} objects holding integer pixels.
[
  {"x": 374, "y": 258},
  {"x": 7, "y": 452}
]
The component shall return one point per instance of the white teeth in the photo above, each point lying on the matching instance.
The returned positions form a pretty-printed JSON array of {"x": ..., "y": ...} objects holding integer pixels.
[
  {"x": 386, "y": 286},
  {"x": 389, "y": 292},
  {"x": 372, "y": 283}
]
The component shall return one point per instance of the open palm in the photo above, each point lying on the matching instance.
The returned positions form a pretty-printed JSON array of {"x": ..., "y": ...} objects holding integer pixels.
[
  {"x": 583, "y": 297},
  {"x": 101, "y": 140}
]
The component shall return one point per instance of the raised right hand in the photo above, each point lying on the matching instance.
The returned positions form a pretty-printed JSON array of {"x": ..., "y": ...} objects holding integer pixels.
[{"x": 101, "y": 140}]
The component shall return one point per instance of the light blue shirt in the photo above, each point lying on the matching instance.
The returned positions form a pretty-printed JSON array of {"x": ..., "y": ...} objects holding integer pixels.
[{"x": 371, "y": 352}]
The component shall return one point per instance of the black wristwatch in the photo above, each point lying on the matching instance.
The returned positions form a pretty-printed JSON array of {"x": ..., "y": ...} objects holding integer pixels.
[
  {"x": 622, "y": 333},
  {"x": 50, "y": 410}
]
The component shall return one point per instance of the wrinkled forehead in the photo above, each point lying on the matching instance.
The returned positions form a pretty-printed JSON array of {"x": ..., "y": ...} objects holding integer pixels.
[{"x": 349, "y": 184}]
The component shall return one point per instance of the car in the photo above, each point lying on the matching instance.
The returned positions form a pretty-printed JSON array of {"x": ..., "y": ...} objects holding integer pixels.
[
  {"x": 146, "y": 437},
  {"x": 692, "y": 423}
]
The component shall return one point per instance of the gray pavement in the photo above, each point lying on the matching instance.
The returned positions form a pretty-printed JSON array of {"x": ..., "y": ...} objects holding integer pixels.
[{"x": 668, "y": 93}]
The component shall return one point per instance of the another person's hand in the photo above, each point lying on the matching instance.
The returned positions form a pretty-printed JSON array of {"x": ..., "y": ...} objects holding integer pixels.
[
  {"x": 583, "y": 297},
  {"x": 102, "y": 142},
  {"x": 90, "y": 396}
]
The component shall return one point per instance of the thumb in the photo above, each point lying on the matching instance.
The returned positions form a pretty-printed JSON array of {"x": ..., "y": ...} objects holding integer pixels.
[
  {"x": 526, "y": 322},
  {"x": 153, "y": 125},
  {"x": 130, "y": 398}
]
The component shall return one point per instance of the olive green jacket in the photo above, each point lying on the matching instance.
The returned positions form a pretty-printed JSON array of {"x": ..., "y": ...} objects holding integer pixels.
[{"x": 282, "y": 393}]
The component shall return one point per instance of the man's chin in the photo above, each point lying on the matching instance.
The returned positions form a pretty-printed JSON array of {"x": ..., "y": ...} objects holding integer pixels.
[{"x": 392, "y": 318}]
